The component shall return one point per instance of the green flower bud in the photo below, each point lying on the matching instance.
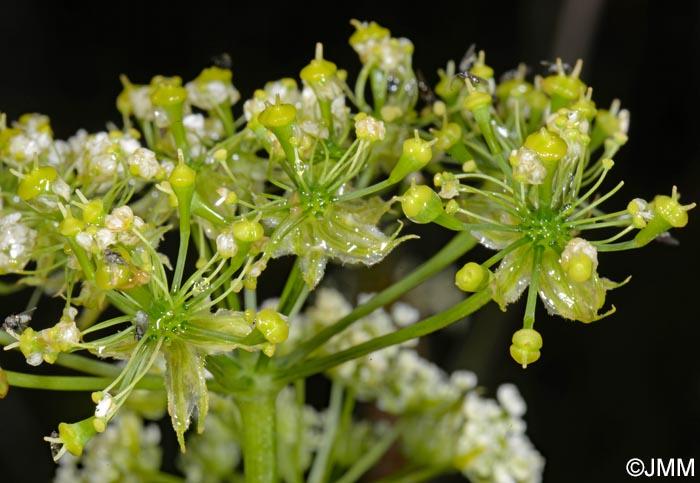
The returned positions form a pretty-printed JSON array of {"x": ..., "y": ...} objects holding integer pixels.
[
  {"x": 247, "y": 231},
  {"x": 472, "y": 277},
  {"x": 272, "y": 326},
  {"x": 548, "y": 146},
  {"x": 526, "y": 346},
  {"x": 421, "y": 204},
  {"x": 38, "y": 181},
  {"x": 76, "y": 435}
]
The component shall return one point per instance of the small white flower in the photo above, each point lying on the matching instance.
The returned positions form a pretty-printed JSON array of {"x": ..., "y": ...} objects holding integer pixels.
[
  {"x": 404, "y": 314},
  {"x": 16, "y": 243},
  {"x": 140, "y": 99},
  {"x": 104, "y": 405},
  {"x": 527, "y": 167},
  {"x": 61, "y": 188},
  {"x": 121, "y": 219},
  {"x": 511, "y": 400},
  {"x": 143, "y": 163},
  {"x": 368, "y": 127},
  {"x": 226, "y": 245},
  {"x": 85, "y": 240},
  {"x": 105, "y": 238}
]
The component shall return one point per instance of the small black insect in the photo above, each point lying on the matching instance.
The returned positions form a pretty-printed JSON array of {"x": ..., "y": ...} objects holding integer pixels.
[
  {"x": 426, "y": 93},
  {"x": 17, "y": 323},
  {"x": 553, "y": 67},
  {"x": 469, "y": 58},
  {"x": 222, "y": 60},
  {"x": 55, "y": 447},
  {"x": 114, "y": 258}
]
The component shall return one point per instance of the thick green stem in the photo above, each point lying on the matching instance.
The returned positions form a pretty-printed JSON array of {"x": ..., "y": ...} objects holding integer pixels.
[
  {"x": 424, "y": 327},
  {"x": 457, "y": 247},
  {"x": 259, "y": 444}
]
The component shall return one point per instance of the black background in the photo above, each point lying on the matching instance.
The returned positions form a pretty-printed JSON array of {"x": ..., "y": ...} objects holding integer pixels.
[{"x": 627, "y": 386}]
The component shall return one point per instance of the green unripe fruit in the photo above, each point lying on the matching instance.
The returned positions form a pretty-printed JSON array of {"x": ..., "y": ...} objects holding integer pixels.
[
  {"x": 366, "y": 33},
  {"x": 472, "y": 277},
  {"x": 526, "y": 346},
  {"x": 318, "y": 71},
  {"x": 166, "y": 95},
  {"x": 247, "y": 231},
  {"x": 536, "y": 99},
  {"x": 671, "y": 211},
  {"x": 579, "y": 267},
  {"x": 548, "y": 145},
  {"x": 214, "y": 74},
  {"x": 667, "y": 213},
  {"x": 75, "y": 436},
  {"x": 448, "y": 136},
  {"x": 482, "y": 70},
  {"x": 416, "y": 154},
  {"x": 110, "y": 276},
  {"x": 476, "y": 99},
  {"x": 94, "y": 211},
  {"x": 38, "y": 181},
  {"x": 586, "y": 107},
  {"x": 182, "y": 177},
  {"x": 70, "y": 226},
  {"x": 421, "y": 204},
  {"x": 565, "y": 87},
  {"x": 277, "y": 115},
  {"x": 272, "y": 326},
  {"x": 448, "y": 89},
  {"x": 513, "y": 88}
]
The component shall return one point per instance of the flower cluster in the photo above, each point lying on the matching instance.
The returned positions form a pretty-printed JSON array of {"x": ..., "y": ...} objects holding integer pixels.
[{"x": 316, "y": 171}]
